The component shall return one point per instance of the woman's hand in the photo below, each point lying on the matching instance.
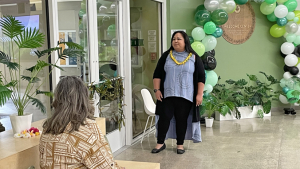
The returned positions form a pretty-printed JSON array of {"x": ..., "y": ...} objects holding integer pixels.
[
  {"x": 199, "y": 99},
  {"x": 158, "y": 95}
]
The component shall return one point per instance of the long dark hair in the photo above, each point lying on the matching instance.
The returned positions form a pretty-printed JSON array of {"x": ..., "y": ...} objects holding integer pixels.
[
  {"x": 71, "y": 104},
  {"x": 188, "y": 47}
]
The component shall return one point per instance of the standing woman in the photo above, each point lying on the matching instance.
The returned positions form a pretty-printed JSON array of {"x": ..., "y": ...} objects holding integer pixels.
[{"x": 178, "y": 81}]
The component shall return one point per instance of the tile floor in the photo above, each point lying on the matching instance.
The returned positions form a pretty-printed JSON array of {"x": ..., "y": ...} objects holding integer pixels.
[{"x": 269, "y": 143}]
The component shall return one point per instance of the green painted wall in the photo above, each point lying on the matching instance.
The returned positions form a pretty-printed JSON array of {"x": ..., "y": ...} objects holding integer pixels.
[{"x": 259, "y": 53}]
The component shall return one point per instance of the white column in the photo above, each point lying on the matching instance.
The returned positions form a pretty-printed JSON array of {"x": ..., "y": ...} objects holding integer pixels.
[
  {"x": 126, "y": 56},
  {"x": 54, "y": 38}
]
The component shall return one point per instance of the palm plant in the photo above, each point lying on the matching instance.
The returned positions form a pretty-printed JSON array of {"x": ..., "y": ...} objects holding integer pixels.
[{"x": 20, "y": 38}]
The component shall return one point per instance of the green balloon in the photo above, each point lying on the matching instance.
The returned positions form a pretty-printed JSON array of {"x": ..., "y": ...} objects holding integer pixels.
[
  {"x": 266, "y": 8},
  {"x": 292, "y": 98},
  {"x": 296, "y": 19},
  {"x": 191, "y": 39},
  {"x": 211, "y": 78},
  {"x": 219, "y": 16},
  {"x": 198, "y": 33},
  {"x": 198, "y": 47},
  {"x": 81, "y": 13},
  {"x": 281, "y": 1},
  {"x": 200, "y": 7},
  {"x": 291, "y": 5},
  {"x": 201, "y": 17},
  {"x": 290, "y": 15},
  {"x": 209, "y": 27},
  {"x": 271, "y": 17},
  {"x": 290, "y": 37},
  {"x": 270, "y": 1},
  {"x": 240, "y": 2},
  {"x": 111, "y": 31}
]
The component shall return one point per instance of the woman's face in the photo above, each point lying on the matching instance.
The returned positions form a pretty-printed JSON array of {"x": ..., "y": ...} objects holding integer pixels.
[{"x": 178, "y": 42}]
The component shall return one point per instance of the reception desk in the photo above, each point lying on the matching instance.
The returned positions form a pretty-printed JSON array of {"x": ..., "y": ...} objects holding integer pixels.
[{"x": 21, "y": 153}]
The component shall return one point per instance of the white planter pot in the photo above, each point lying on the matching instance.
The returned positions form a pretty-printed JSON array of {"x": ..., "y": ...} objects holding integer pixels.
[
  {"x": 20, "y": 123},
  {"x": 246, "y": 113},
  {"x": 209, "y": 122}
]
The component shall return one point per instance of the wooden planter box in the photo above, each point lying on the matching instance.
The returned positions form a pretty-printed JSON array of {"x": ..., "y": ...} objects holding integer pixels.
[{"x": 246, "y": 113}]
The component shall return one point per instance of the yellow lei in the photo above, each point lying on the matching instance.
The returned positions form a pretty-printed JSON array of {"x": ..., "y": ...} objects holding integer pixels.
[{"x": 181, "y": 63}]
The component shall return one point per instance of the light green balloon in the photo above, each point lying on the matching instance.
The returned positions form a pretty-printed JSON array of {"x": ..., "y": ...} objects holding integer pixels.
[
  {"x": 296, "y": 19},
  {"x": 211, "y": 78},
  {"x": 198, "y": 47},
  {"x": 290, "y": 37},
  {"x": 210, "y": 42},
  {"x": 198, "y": 33},
  {"x": 290, "y": 15},
  {"x": 297, "y": 40},
  {"x": 266, "y": 8},
  {"x": 282, "y": 82}
]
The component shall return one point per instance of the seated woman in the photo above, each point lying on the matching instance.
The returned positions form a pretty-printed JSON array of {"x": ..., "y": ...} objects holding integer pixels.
[{"x": 71, "y": 138}]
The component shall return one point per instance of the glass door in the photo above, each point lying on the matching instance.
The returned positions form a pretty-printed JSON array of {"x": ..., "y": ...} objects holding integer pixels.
[{"x": 145, "y": 35}]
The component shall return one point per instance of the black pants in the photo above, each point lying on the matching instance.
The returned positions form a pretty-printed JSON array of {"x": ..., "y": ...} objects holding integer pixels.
[{"x": 180, "y": 108}]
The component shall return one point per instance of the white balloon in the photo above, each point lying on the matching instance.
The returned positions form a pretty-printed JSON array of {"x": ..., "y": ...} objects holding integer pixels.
[
  {"x": 211, "y": 5},
  {"x": 287, "y": 75},
  {"x": 281, "y": 11},
  {"x": 291, "y": 60},
  {"x": 209, "y": 42},
  {"x": 208, "y": 88},
  {"x": 287, "y": 48},
  {"x": 283, "y": 99}
]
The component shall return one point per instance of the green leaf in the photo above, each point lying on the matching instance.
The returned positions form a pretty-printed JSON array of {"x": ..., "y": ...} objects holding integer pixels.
[
  {"x": 5, "y": 59},
  {"x": 267, "y": 107},
  {"x": 241, "y": 82},
  {"x": 71, "y": 53},
  {"x": 10, "y": 26},
  {"x": 230, "y": 81},
  {"x": 38, "y": 104},
  {"x": 49, "y": 94},
  {"x": 40, "y": 65},
  {"x": 30, "y": 79},
  {"x": 30, "y": 39},
  {"x": 47, "y": 51},
  {"x": 224, "y": 110},
  {"x": 252, "y": 77},
  {"x": 260, "y": 113},
  {"x": 230, "y": 105},
  {"x": 12, "y": 83},
  {"x": 5, "y": 94},
  {"x": 71, "y": 45},
  {"x": 201, "y": 110}
]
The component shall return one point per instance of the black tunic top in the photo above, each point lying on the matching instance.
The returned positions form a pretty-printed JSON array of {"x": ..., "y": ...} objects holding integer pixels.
[{"x": 199, "y": 76}]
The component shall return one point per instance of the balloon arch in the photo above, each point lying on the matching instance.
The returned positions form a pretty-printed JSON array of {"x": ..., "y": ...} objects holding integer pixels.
[{"x": 213, "y": 13}]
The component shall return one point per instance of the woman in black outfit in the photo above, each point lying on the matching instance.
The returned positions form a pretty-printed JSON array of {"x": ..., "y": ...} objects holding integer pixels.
[{"x": 178, "y": 81}]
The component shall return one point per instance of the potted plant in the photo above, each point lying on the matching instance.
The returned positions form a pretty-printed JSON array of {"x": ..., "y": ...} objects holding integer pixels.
[
  {"x": 216, "y": 102},
  {"x": 110, "y": 90},
  {"x": 20, "y": 38},
  {"x": 261, "y": 94}
]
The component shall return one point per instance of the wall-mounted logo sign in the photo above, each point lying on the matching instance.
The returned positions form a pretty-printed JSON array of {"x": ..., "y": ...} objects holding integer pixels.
[{"x": 240, "y": 25}]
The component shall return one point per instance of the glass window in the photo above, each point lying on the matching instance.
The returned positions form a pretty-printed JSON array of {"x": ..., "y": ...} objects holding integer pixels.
[
  {"x": 72, "y": 25},
  {"x": 108, "y": 47},
  {"x": 145, "y": 40},
  {"x": 32, "y": 14}
]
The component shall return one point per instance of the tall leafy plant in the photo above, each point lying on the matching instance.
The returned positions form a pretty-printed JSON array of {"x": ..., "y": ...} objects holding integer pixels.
[
  {"x": 217, "y": 101},
  {"x": 19, "y": 38},
  {"x": 261, "y": 92}
]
